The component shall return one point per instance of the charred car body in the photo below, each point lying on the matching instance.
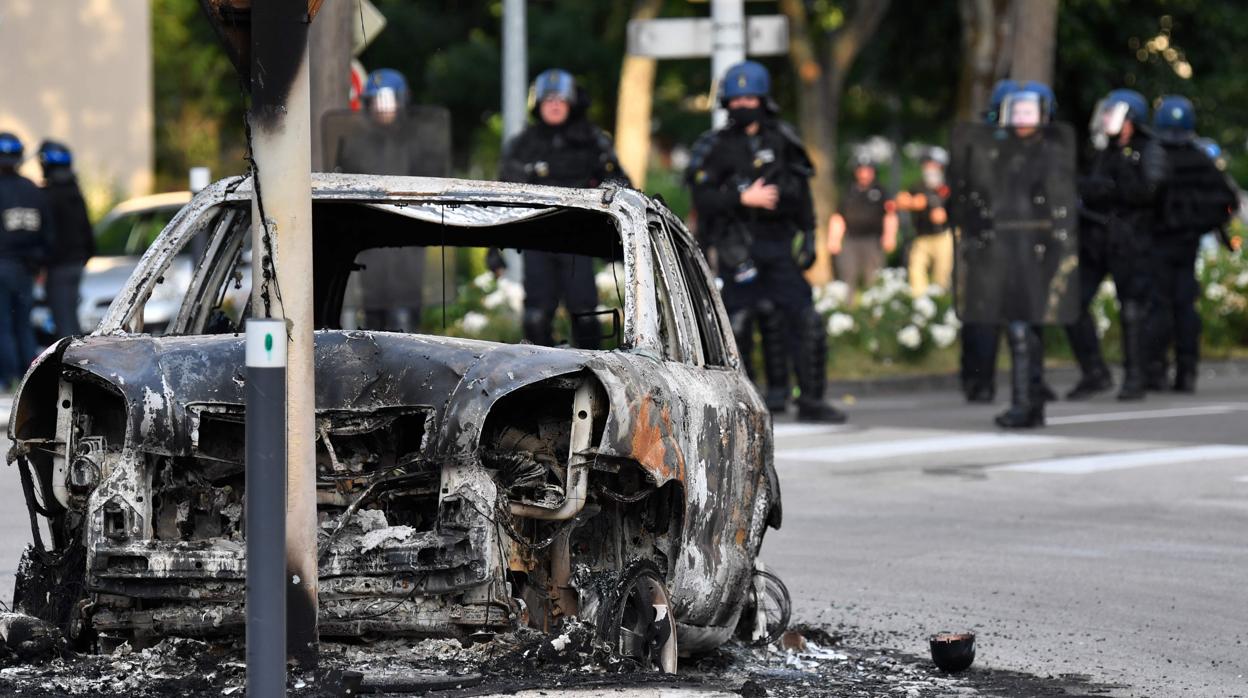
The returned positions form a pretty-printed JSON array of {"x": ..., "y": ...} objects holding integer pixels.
[{"x": 463, "y": 486}]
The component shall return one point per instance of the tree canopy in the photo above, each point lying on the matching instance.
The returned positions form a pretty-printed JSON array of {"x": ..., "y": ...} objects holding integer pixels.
[{"x": 903, "y": 83}]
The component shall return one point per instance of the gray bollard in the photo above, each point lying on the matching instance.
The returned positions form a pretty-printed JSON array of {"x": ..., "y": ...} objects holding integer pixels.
[{"x": 266, "y": 507}]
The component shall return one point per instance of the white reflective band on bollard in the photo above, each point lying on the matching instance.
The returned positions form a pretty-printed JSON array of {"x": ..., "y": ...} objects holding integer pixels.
[{"x": 266, "y": 343}]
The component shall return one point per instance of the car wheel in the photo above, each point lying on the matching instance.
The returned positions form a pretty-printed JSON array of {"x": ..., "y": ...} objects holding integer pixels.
[
  {"x": 767, "y": 610},
  {"x": 639, "y": 624}
]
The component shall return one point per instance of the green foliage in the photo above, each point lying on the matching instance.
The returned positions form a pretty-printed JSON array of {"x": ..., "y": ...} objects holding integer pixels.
[{"x": 198, "y": 102}]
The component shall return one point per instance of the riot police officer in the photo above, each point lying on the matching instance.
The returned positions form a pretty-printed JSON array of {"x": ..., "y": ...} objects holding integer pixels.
[
  {"x": 75, "y": 241},
  {"x": 980, "y": 341},
  {"x": 390, "y": 137},
  {"x": 1014, "y": 200},
  {"x": 561, "y": 148},
  {"x": 1194, "y": 198},
  {"x": 26, "y": 227},
  {"x": 1118, "y": 196},
  {"x": 751, "y": 188}
]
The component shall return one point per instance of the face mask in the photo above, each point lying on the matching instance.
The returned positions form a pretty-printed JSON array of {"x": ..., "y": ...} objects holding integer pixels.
[{"x": 744, "y": 116}]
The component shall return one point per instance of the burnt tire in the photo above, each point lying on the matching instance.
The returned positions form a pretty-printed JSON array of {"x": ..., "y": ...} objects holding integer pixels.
[
  {"x": 768, "y": 594},
  {"x": 49, "y": 586},
  {"x": 638, "y": 623}
]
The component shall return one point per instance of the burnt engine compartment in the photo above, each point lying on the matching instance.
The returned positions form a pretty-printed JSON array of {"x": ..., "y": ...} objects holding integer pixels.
[{"x": 149, "y": 544}]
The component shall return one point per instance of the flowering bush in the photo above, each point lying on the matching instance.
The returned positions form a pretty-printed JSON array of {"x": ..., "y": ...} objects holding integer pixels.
[
  {"x": 1223, "y": 302},
  {"x": 887, "y": 321}
]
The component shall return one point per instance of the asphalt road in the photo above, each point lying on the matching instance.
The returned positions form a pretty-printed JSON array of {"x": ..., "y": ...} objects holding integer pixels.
[{"x": 1110, "y": 544}]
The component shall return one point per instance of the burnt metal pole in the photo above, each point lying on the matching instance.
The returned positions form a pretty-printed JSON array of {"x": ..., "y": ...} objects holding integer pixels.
[
  {"x": 727, "y": 46},
  {"x": 266, "y": 507},
  {"x": 280, "y": 122},
  {"x": 515, "y": 67},
  {"x": 515, "y": 93}
]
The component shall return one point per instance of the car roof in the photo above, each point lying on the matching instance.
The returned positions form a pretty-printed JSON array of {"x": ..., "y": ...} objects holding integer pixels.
[{"x": 173, "y": 199}]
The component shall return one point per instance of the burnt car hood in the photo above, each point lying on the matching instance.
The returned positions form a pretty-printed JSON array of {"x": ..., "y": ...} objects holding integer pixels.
[{"x": 456, "y": 380}]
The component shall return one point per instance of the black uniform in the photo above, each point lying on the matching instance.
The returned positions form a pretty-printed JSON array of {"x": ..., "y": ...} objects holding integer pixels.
[
  {"x": 26, "y": 228},
  {"x": 573, "y": 154},
  {"x": 1194, "y": 199},
  {"x": 862, "y": 255},
  {"x": 73, "y": 246},
  {"x": 1118, "y": 197},
  {"x": 416, "y": 142},
  {"x": 726, "y": 165}
]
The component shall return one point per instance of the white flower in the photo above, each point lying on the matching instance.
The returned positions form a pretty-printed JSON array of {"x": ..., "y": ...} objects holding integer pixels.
[
  {"x": 514, "y": 293},
  {"x": 873, "y": 345},
  {"x": 909, "y": 337},
  {"x": 495, "y": 299},
  {"x": 1242, "y": 279},
  {"x": 944, "y": 335},
  {"x": 1215, "y": 292},
  {"x": 877, "y": 312},
  {"x": 838, "y": 291},
  {"x": 605, "y": 279},
  {"x": 474, "y": 322},
  {"x": 1101, "y": 319},
  {"x": 1107, "y": 289},
  {"x": 934, "y": 290},
  {"x": 839, "y": 324},
  {"x": 951, "y": 319},
  {"x": 926, "y": 307},
  {"x": 484, "y": 281}
]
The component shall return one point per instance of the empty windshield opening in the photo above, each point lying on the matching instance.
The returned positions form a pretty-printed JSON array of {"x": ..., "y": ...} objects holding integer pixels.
[{"x": 402, "y": 268}]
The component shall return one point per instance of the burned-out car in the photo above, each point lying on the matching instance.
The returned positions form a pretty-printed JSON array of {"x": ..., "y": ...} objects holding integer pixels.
[{"x": 463, "y": 486}]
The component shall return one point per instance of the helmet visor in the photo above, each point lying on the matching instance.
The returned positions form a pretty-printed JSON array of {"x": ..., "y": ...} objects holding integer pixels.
[
  {"x": 1109, "y": 118},
  {"x": 1023, "y": 110}
]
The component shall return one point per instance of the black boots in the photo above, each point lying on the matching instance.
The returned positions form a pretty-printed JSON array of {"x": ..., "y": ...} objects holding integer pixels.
[
  {"x": 1098, "y": 381},
  {"x": 1026, "y": 379},
  {"x": 812, "y": 373},
  {"x": 1185, "y": 375},
  {"x": 1132, "y": 351}
]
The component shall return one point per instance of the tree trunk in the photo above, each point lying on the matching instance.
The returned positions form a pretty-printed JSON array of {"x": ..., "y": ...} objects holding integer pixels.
[
  {"x": 841, "y": 50},
  {"x": 1035, "y": 36},
  {"x": 633, "y": 107},
  {"x": 814, "y": 124},
  {"x": 329, "y": 48}
]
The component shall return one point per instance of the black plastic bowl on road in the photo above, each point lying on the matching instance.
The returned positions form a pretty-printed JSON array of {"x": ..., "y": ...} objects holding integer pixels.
[{"x": 953, "y": 652}]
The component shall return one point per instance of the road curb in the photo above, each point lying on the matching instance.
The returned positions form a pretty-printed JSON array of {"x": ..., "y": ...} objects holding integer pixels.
[{"x": 1058, "y": 376}]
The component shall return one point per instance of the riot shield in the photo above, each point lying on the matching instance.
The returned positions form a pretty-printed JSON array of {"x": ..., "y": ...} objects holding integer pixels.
[
  {"x": 387, "y": 294},
  {"x": 1014, "y": 208},
  {"x": 417, "y": 143}
]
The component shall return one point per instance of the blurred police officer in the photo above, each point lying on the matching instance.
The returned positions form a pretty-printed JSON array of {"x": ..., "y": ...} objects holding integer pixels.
[
  {"x": 389, "y": 138},
  {"x": 561, "y": 148},
  {"x": 25, "y": 231},
  {"x": 981, "y": 341},
  {"x": 751, "y": 186},
  {"x": 931, "y": 252},
  {"x": 1118, "y": 195},
  {"x": 864, "y": 230},
  {"x": 1194, "y": 199},
  {"x": 1017, "y": 237},
  {"x": 74, "y": 243}
]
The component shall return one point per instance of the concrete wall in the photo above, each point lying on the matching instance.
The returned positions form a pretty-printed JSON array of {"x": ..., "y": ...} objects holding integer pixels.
[{"x": 80, "y": 71}]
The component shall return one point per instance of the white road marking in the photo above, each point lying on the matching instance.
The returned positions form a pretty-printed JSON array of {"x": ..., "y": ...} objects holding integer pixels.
[
  {"x": 795, "y": 429},
  {"x": 1144, "y": 414},
  {"x": 879, "y": 450},
  {"x": 1082, "y": 465}
]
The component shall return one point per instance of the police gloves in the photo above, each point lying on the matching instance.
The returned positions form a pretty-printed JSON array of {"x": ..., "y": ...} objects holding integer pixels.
[{"x": 805, "y": 256}]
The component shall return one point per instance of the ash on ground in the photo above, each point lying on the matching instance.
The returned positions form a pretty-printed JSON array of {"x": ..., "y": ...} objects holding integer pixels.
[{"x": 806, "y": 662}]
